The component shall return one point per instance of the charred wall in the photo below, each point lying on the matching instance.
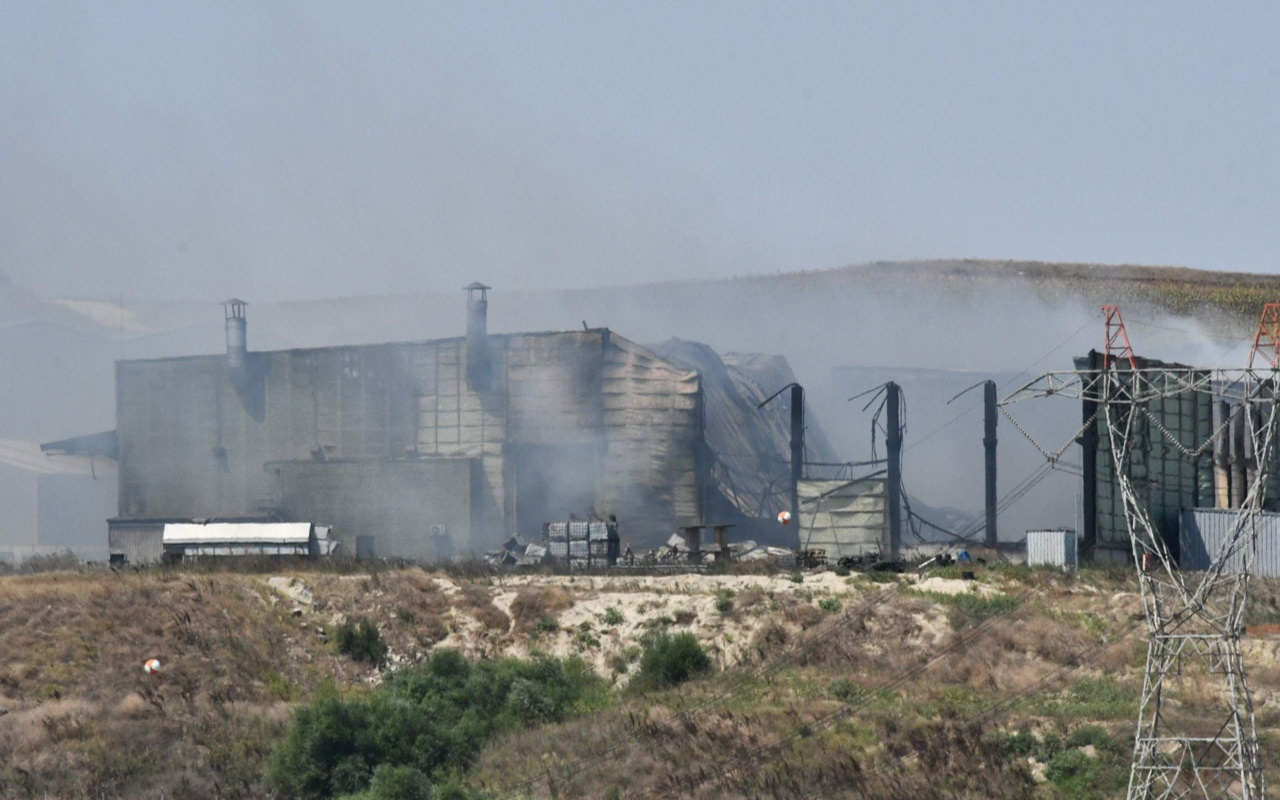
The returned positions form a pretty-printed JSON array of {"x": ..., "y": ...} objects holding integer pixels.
[
  {"x": 388, "y": 439},
  {"x": 420, "y": 509},
  {"x": 654, "y": 472}
]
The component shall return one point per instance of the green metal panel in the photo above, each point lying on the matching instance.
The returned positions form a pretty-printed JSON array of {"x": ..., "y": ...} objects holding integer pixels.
[{"x": 1165, "y": 477}]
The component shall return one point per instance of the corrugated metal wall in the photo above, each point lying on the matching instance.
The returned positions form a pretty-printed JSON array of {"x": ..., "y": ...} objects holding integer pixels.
[
  {"x": 1052, "y": 548},
  {"x": 845, "y": 518},
  {"x": 140, "y": 542},
  {"x": 1204, "y": 531},
  {"x": 1165, "y": 479},
  {"x": 653, "y": 415}
]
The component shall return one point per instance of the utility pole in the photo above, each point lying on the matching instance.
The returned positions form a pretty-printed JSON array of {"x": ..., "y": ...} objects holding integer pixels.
[
  {"x": 797, "y": 450},
  {"x": 797, "y": 447},
  {"x": 893, "y": 441},
  {"x": 989, "y": 446}
]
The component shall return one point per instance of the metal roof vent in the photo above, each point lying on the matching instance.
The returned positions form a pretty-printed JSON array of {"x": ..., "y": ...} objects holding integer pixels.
[
  {"x": 478, "y": 372},
  {"x": 237, "y": 343}
]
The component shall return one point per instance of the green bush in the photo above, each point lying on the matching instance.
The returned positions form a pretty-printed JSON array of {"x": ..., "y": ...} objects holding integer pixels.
[
  {"x": 399, "y": 783},
  {"x": 361, "y": 641},
  {"x": 422, "y": 725},
  {"x": 829, "y": 604},
  {"x": 613, "y": 617},
  {"x": 724, "y": 603},
  {"x": 969, "y": 609},
  {"x": 1021, "y": 743},
  {"x": 845, "y": 690},
  {"x": 1094, "y": 735},
  {"x": 670, "y": 660},
  {"x": 1090, "y": 698},
  {"x": 1079, "y": 776}
]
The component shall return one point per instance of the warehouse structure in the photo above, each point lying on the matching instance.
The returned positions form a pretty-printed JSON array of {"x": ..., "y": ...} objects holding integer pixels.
[
  {"x": 427, "y": 450},
  {"x": 1191, "y": 453},
  {"x": 1169, "y": 466},
  {"x": 53, "y": 500}
]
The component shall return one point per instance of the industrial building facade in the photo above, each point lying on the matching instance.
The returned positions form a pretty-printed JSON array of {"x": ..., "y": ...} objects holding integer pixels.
[
  {"x": 421, "y": 450},
  {"x": 1191, "y": 461}
]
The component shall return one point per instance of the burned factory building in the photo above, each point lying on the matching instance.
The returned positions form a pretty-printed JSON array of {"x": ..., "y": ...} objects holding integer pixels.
[{"x": 426, "y": 450}]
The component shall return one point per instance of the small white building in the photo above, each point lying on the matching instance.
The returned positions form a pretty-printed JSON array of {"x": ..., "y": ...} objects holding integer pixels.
[{"x": 194, "y": 539}]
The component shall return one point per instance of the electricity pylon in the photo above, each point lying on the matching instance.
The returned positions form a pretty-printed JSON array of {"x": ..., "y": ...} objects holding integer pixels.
[{"x": 1194, "y": 620}]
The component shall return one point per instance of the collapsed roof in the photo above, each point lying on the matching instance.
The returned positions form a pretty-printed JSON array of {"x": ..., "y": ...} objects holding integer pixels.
[{"x": 750, "y": 446}]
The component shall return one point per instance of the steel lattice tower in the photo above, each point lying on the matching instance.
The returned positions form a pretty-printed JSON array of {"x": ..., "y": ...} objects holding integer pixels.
[{"x": 1194, "y": 620}]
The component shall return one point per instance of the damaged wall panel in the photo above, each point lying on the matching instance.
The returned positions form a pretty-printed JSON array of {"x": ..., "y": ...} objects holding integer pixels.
[{"x": 845, "y": 518}]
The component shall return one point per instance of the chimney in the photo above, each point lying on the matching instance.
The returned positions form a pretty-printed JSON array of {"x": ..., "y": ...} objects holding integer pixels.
[
  {"x": 477, "y": 336},
  {"x": 477, "y": 312},
  {"x": 237, "y": 347}
]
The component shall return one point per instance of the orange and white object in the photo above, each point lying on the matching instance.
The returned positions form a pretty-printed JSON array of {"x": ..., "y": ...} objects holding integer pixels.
[
  {"x": 784, "y": 517},
  {"x": 152, "y": 667}
]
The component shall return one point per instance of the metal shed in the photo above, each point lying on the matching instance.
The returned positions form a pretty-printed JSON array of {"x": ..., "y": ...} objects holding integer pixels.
[{"x": 1056, "y": 548}]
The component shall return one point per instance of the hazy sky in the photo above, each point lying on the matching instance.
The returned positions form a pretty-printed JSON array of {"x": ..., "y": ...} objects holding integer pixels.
[{"x": 301, "y": 149}]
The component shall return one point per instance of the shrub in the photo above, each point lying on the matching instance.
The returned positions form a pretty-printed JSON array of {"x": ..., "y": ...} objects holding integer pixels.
[
  {"x": 1021, "y": 743},
  {"x": 361, "y": 641},
  {"x": 970, "y": 609},
  {"x": 670, "y": 660},
  {"x": 422, "y": 725},
  {"x": 1078, "y": 775},
  {"x": 399, "y": 783},
  {"x": 829, "y": 604},
  {"x": 533, "y": 604},
  {"x": 1093, "y": 698},
  {"x": 613, "y": 617},
  {"x": 845, "y": 690},
  {"x": 1094, "y": 735}
]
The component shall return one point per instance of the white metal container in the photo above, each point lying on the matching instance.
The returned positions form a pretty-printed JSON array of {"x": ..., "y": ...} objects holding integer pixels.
[{"x": 1057, "y": 548}]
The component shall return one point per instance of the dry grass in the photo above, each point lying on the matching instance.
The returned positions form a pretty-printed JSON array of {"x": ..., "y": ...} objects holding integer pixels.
[
  {"x": 85, "y": 721},
  {"x": 532, "y": 603},
  {"x": 83, "y": 715},
  {"x": 478, "y": 602}
]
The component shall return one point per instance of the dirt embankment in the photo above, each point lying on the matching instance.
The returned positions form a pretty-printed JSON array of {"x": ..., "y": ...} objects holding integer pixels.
[{"x": 238, "y": 651}]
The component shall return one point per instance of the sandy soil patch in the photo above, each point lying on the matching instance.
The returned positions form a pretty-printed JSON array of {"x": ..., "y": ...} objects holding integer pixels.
[{"x": 954, "y": 586}]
